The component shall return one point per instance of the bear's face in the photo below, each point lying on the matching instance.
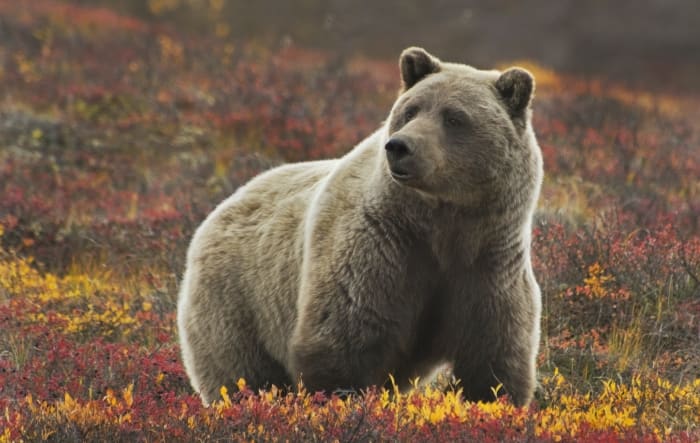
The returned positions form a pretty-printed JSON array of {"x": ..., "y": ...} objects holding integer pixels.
[{"x": 456, "y": 132}]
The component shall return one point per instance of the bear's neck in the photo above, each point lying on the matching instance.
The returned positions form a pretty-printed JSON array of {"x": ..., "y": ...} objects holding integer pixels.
[{"x": 456, "y": 235}]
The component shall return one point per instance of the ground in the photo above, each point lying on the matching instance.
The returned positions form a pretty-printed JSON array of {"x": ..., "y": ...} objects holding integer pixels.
[{"x": 118, "y": 136}]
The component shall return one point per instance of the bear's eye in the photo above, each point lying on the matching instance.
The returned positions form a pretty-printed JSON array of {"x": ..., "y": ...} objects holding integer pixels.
[
  {"x": 410, "y": 113},
  {"x": 454, "y": 119}
]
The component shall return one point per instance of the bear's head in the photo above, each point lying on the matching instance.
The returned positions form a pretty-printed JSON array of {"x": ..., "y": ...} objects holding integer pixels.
[{"x": 460, "y": 134}]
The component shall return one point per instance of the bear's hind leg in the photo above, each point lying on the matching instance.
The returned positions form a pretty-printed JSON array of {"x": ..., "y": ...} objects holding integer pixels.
[
  {"x": 254, "y": 365},
  {"x": 219, "y": 353}
]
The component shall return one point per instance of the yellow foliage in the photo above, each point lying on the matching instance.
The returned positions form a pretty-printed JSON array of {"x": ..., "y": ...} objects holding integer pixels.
[
  {"x": 128, "y": 395},
  {"x": 645, "y": 402},
  {"x": 76, "y": 302},
  {"x": 5, "y": 437},
  {"x": 597, "y": 280},
  {"x": 170, "y": 50},
  {"x": 27, "y": 68},
  {"x": 225, "y": 399},
  {"x": 650, "y": 404},
  {"x": 158, "y": 7}
]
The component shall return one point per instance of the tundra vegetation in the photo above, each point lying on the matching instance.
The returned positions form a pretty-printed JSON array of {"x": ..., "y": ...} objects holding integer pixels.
[{"x": 117, "y": 137}]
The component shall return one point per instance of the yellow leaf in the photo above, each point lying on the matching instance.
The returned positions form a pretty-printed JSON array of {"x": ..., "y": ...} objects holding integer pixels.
[
  {"x": 110, "y": 398},
  {"x": 496, "y": 389},
  {"x": 224, "y": 395},
  {"x": 68, "y": 401},
  {"x": 128, "y": 396},
  {"x": 222, "y": 30}
]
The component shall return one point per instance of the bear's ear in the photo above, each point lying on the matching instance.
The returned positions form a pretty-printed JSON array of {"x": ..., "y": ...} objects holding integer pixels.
[
  {"x": 415, "y": 64},
  {"x": 516, "y": 87}
]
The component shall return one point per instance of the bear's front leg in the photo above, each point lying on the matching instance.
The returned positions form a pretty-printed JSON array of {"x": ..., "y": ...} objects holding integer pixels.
[
  {"x": 333, "y": 350},
  {"x": 501, "y": 346},
  {"x": 516, "y": 368},
  {"x": 328, "y": 366},
  {"x": 511, "y": 371},
  {"x": 358, "y": 299}
]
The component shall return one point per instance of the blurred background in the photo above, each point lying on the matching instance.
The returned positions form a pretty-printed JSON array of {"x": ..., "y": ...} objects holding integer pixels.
[{"x": 655, "y": 43}]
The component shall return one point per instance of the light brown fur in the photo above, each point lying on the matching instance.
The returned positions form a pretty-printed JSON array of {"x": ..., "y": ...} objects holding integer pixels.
[{"x": 410, "y": 251}]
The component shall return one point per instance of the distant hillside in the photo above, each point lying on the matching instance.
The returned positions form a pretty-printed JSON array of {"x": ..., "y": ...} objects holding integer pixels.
[{"x": 655, "y": 44}]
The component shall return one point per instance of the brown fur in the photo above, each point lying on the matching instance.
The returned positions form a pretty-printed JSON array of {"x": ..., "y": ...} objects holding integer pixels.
[{"x": 410, "y": 251}]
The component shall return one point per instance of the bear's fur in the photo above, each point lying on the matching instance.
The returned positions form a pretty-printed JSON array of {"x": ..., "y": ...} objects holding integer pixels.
[{"x": 410, "y": 251}]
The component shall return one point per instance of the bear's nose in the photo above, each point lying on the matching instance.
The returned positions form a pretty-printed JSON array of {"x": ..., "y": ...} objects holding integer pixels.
[{"x": 396, "y": 148}]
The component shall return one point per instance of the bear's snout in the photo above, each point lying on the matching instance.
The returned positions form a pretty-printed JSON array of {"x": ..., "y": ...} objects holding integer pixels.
[
  {"x": 397, "y": 148},
  {"x": 399, "y": 155}
]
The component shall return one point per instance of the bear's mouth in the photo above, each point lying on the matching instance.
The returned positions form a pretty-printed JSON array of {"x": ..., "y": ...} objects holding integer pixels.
[{"x": 400, "y": 174}]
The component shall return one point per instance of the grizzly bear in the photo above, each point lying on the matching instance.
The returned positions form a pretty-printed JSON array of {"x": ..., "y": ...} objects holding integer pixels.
[{"x": 410, "y": 251}]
